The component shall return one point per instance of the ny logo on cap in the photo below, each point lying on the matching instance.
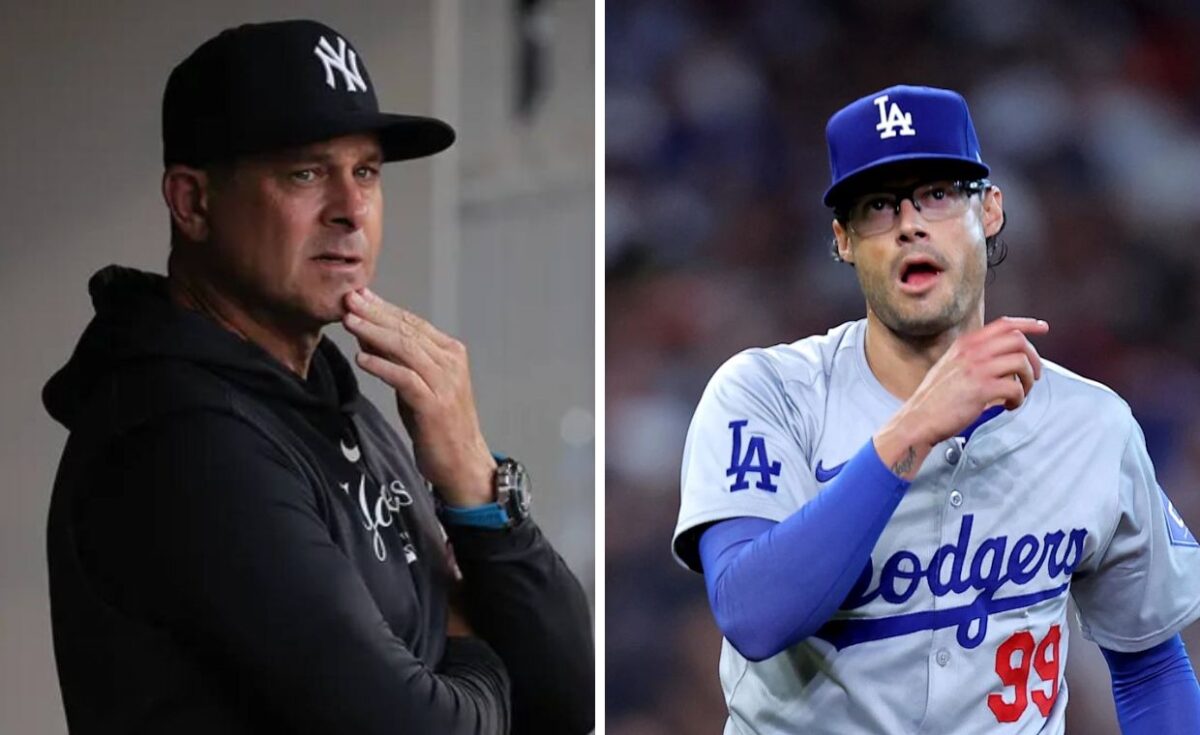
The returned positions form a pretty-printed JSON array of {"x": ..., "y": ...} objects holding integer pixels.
[
  {"x": 889, "y": 118},
  {"x": 338, "y": 60}
]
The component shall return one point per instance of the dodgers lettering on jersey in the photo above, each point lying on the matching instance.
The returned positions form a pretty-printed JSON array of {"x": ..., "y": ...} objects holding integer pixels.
[
  {"x": 957, "y": 624},
  {"x": 992, "y": 566}
]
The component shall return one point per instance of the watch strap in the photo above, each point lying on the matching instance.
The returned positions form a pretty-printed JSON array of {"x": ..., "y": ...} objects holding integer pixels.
[{"x": 491, "y": 515}]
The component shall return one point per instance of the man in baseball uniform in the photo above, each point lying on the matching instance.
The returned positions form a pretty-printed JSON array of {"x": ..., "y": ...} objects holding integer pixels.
[{"x": 891, "y": 516}]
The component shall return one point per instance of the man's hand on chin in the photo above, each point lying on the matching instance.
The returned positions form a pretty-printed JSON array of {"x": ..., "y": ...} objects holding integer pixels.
[{"x": 432, "y": 379}]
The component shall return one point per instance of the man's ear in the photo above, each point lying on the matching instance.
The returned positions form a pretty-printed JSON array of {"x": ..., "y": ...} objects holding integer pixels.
[
  {"x": 993, "y": 211},
  {"x": 843, "y": 242},
  {"x": 186, "y": 192}
]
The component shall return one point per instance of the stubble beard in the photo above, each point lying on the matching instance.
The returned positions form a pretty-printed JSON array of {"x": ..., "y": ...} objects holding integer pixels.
[{"x": 922, "y": 323}]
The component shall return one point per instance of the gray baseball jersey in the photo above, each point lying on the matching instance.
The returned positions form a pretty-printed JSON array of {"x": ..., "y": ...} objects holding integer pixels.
[{"x": 958, "y": 625}]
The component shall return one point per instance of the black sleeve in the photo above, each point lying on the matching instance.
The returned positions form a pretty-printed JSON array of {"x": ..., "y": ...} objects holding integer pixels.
[
  {"x": 521, "y": 598},
  {"x": 238, "y": 563}
]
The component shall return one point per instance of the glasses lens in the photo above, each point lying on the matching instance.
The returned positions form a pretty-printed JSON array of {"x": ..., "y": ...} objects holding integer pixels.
[
  {"x": 940, "y": 199},
  {"x": 873, "y": 214}
]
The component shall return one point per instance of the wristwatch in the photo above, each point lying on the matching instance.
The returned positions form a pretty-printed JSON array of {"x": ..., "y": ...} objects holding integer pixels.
[{"x": 511, "y": 484}]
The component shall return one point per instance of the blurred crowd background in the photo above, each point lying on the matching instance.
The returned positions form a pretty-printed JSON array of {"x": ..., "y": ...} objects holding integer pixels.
[{"x": 716, "y": 240}]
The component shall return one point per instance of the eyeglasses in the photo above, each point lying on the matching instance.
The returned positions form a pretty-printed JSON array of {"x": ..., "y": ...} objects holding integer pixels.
[{"x": 876, "y": 213}]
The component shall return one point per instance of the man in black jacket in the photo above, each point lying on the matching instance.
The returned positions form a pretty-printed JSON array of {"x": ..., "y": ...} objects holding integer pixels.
[{"x": 238, "y": 541}]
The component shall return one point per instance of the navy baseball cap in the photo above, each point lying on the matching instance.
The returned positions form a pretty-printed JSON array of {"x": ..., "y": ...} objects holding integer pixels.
[
  {"x": 269, "y": 86},
  {"x": 901, "y": 123}
]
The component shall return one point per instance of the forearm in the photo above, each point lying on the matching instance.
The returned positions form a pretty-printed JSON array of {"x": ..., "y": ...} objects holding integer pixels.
[
  {"x": 522, "y": 599},
  {"x": 1155, "y": 691},
  {"x": 773, "y": 585}
]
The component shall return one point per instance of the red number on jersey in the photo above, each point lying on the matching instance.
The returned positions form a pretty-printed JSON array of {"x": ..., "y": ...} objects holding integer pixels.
[
  {"x": 1042, "y": 658},
  {"x": 1015, "y": 676},
  {"x": 1045, "y": 662}
]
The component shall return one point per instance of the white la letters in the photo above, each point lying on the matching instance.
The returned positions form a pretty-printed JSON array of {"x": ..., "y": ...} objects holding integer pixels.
[{"x": 891, "y": 118}]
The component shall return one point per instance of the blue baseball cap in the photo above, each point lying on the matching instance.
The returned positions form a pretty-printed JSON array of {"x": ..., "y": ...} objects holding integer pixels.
[{"x": 901, "y": 123}]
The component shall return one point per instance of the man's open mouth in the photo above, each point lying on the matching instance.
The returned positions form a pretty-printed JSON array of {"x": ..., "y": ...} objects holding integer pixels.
[{"x": 918, "y": 271}]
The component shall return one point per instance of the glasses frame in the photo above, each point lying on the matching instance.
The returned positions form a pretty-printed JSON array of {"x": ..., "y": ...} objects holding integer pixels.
[{"x": 970, "y": 187}]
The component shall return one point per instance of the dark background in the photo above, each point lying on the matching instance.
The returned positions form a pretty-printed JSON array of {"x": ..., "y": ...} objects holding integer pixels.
[{"x": 716, "y": 240}]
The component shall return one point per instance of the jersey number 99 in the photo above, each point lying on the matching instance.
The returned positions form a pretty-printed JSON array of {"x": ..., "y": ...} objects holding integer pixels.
[{"x": 1042, "y": 658}]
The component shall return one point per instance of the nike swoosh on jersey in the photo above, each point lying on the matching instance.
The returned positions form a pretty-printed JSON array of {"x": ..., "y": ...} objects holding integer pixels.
[{"x": 825, "y": 475}]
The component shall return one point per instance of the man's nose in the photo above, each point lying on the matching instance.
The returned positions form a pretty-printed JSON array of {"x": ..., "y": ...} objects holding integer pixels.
[
  {"x": 348, "y": 203},
  {"x": 910, "y": 221}
]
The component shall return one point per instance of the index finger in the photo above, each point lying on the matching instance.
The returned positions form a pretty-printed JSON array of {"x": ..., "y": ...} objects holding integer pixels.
[
  {"x": 438, "y": 337},
  {"x": 1023, "y": 324}
]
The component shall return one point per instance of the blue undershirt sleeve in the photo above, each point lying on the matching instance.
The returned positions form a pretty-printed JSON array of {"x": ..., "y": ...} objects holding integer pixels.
[
  {"x": 1155, "y": 690},
  {"x": 771, "y": 585}
]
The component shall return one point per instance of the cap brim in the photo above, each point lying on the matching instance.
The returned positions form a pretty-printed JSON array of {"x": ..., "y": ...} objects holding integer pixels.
[
  {"x": 969, "y": 167},
  {"x": 402, "y": 137},
  {"x": 405, "y": 137}
]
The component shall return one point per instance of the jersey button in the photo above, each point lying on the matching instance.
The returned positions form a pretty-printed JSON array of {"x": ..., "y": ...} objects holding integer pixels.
[
  {"x": 956, "y": 498},
  {"x": 943, "y": 657},
  {"x": 953, "y": 453}
]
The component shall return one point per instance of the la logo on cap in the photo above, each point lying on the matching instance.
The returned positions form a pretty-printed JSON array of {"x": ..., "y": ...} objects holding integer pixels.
[
  {"x": 889, "y": 118},
  {"x": 344, "y": 60}
]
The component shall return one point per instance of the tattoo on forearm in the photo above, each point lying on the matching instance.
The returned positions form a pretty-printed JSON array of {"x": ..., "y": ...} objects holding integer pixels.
[{"x": 904, "y": 465}]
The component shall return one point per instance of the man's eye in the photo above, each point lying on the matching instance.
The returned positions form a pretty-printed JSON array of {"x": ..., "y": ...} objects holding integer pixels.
[
  {"x": 938, "y": 192},
  {"x": 304, "y": 175},
  {"x": 878, "y": 204},
  {"x": 366, "y": 172}
]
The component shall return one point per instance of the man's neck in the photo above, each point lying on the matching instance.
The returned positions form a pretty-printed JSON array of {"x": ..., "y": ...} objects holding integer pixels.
[
  {"x": 293, "y": 348},
  {"x": 900, "y": 362}
]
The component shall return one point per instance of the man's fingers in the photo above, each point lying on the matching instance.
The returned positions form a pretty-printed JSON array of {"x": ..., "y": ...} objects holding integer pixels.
[
  {"x": 407, "y": 317},
  {"x": 396, "y": 345},
  {"x": 1010, "y": 392},
  {"x": 1013, "y": 342},
  {"x": 404, "y": 380},
  {"x": 1023, "y": 324},
  {"x": 1014, "y": 364},
  {"x": 375, "y": 309}
]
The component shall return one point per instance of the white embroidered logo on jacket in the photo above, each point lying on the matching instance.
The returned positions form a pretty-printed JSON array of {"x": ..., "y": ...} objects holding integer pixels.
[
  {"x": 344, "y": 60},
  {"x": 383, "y": 513},
  {"x": 889, "y": 119}
]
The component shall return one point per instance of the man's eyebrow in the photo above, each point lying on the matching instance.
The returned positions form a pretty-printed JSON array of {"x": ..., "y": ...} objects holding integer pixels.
[{"x": 321, "y": 156}]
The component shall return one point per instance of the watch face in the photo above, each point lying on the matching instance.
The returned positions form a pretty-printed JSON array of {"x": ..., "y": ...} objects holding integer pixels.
[
  {"x": 523, "y": 498},
  {"x": 512, "y": 488}
]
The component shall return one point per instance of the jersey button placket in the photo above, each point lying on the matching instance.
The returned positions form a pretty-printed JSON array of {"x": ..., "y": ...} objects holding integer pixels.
[{"x": 953, "y": 454}]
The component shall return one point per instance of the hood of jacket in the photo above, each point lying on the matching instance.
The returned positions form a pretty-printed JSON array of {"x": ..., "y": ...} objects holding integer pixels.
[{"x": 136, "y": 323}]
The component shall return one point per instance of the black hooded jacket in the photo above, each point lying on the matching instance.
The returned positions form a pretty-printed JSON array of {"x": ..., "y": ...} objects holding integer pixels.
[{"x": 234, "y": 549}]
